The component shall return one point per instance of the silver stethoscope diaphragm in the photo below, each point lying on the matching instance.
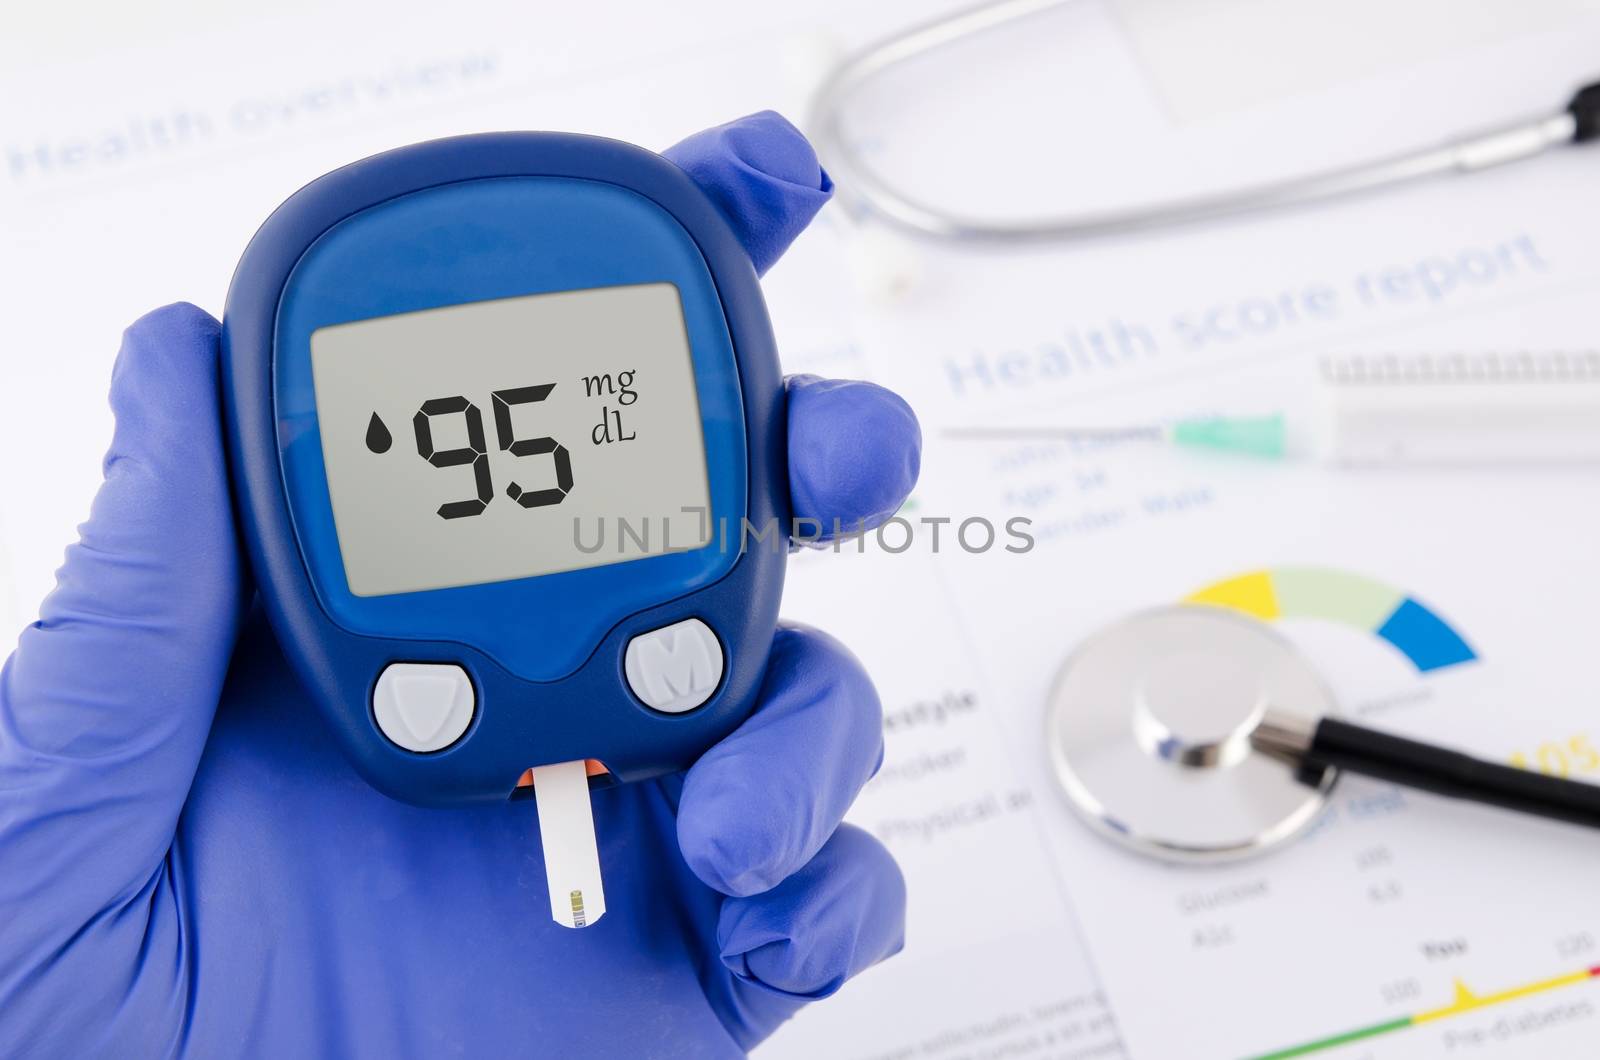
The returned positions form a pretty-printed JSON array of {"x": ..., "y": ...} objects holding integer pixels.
[
  {"x": 1195, "y": 733},
  {"x": 1156, "y": 731}
]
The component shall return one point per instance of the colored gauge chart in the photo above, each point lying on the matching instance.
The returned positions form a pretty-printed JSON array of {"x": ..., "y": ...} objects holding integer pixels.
[{"x": 1409, "y": 626}]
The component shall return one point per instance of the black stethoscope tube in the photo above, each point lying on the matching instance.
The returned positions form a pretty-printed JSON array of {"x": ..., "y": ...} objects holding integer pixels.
[{"x": 1442, "y": 771}]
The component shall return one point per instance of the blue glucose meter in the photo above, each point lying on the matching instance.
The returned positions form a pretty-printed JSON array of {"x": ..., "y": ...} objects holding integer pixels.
[{"x": 500, "y": 409}]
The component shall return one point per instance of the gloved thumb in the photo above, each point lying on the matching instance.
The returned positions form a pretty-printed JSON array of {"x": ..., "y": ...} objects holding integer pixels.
[
  {"x": 106, "y": 704},
  {"x": 763, "y": 176}
]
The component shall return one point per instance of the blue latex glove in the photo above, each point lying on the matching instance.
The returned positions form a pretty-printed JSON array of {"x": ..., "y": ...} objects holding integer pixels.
[{"x": 188, "y": 866}]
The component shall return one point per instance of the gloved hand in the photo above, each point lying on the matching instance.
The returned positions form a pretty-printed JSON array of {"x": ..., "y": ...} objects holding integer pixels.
[{"x": 188, "y": 866}]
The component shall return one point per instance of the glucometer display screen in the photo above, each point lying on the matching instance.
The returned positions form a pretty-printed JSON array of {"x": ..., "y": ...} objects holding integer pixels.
[{"x": 506, "y": 439}]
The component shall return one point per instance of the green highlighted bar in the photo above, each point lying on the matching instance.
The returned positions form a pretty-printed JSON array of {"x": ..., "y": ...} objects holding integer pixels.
[
  {"x": 1338, "y": 1039},
  {"x": 1338, "y": 596}
]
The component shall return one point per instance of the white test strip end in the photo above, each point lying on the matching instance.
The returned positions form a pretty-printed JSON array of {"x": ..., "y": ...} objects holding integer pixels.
[{"x": 566, "y": 830}]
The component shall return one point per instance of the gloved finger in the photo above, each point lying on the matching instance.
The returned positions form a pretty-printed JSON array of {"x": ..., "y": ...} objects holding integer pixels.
[
  {"x": 841, "y": 913},
  {"x": 106, "y": 703},
  {"x": 763, "y": 176},
  {"x": 761, "y": 803},
  {"x": 854, "y": 453}
]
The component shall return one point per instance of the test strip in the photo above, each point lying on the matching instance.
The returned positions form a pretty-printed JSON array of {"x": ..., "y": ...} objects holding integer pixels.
[{"x": 566, "y": 829}]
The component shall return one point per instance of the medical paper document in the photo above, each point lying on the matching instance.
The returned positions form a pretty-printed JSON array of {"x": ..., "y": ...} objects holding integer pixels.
[
  {"x": 1454, "y": 606},
  {"x": 1402, "y": 925}
]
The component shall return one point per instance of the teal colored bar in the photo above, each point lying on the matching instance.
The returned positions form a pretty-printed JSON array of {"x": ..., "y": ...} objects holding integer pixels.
[{"x": 1263, "y": 436}]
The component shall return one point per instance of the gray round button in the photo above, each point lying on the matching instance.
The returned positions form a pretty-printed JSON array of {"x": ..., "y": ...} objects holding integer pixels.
[
  {"x": 675, "y": 668},
  {"x": 423, "y": 706}
]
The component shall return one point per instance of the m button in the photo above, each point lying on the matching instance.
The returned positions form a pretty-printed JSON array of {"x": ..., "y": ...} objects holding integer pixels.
[{"x": 675, "y": 668}]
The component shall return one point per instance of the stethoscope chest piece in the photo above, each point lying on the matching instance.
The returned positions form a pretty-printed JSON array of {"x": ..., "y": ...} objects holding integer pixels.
[{"x": 1162, "y": 730}]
